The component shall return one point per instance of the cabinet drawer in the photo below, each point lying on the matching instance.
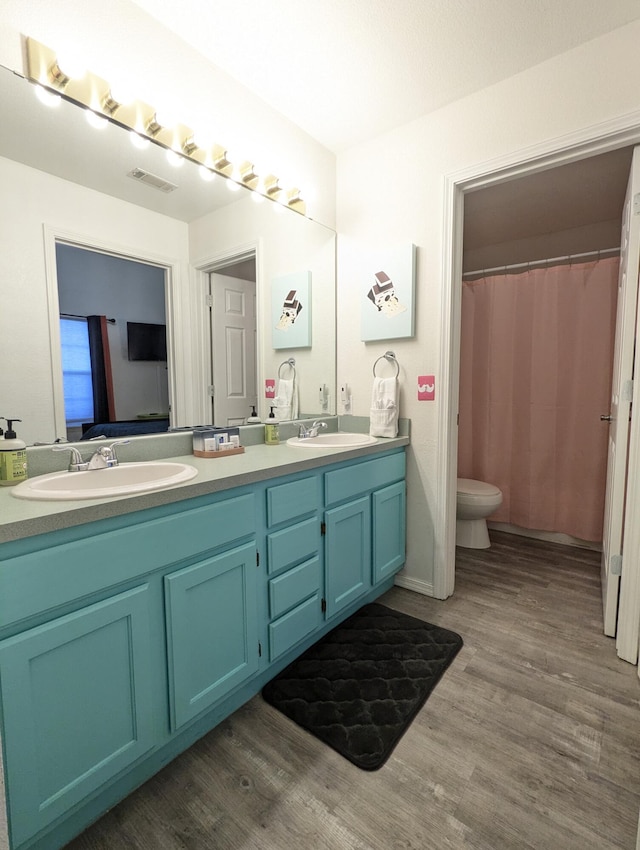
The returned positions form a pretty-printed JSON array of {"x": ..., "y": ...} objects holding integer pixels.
[
  {"x": 291, "y": 588},
  {"x": 342, "y": 484},
  {"x": 290, "y": 501},
  {"x": 292, "y": 545},
  {"x": 56, "y": 576},
  {"x": 293, "y": 627}
]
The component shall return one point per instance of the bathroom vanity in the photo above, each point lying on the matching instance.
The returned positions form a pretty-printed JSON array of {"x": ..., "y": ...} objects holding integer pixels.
[{"x": 138, "y": 624}]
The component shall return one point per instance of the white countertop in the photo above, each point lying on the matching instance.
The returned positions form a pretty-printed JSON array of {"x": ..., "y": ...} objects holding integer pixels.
[{"x": 20, "y": 518}]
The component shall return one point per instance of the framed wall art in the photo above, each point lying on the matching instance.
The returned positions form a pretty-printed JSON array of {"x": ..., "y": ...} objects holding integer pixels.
[
  {"x": 387, "y": 295},
  {"x": 291, "y": 310}
]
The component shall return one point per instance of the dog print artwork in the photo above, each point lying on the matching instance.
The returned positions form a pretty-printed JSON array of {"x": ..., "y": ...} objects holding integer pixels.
[
  {"x": 383, "y": 295},
  {"x": 291, "y": 310},
  {"x": 387, "y": 305}
]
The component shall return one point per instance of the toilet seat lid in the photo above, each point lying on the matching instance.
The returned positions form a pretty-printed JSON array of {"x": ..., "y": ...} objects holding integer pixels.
[{"x": 471, "y": 487}]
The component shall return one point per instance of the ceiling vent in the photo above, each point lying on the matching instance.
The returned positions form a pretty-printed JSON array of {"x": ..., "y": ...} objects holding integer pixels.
[{"x": 152, "y": 180}]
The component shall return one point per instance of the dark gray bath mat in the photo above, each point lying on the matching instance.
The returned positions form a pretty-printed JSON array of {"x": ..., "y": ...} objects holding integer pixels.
[{"x": 361, "y": 685}]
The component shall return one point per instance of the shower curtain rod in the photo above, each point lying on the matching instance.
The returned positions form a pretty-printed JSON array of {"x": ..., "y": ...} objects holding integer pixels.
[{"x": 551, "y": 261}]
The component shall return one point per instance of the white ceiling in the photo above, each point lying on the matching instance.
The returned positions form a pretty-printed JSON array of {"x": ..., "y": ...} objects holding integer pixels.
[{"x": 348, "y": 70}]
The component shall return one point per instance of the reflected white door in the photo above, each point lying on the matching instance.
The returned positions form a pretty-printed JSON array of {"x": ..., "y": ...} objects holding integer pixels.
[
  {"x": 626, "y": 329},
  {"x": 233, "y": 348}
]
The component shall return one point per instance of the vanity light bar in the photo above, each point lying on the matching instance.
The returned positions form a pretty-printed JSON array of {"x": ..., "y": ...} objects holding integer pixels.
[{"x": 94, "y": 93}]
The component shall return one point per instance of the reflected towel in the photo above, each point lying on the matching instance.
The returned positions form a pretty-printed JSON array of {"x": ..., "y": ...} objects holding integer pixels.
[
  {"x": 286, "y": 400},
  {"x": 383, "y": 416}
]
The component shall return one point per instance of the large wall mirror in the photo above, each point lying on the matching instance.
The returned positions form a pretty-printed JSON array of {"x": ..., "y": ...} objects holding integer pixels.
[{"x": 93, "y": 226}]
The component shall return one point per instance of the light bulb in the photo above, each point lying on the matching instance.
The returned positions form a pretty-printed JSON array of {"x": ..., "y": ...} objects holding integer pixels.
[
  {"x": 98, "y": 122},
  {"x": 120, "y": 91},
  {"x": 174, "y": 158},
  {"x": 72, "y": 66},
  {"x": 48, "y": 97},
  {"x": 206, "y": 174},
  {"x": 138, "y": 141},
  {"x": 165, "y": 118}
]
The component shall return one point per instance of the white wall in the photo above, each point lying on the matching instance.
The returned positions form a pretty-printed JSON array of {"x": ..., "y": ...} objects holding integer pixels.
[
  {"x": 391, "y": 198},
  {"x": 118, "y": 40},
  {"x": 39, "y": 199}
]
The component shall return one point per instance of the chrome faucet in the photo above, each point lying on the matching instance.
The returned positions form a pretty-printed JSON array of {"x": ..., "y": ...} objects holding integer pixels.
[
  {"x": 103, "y": 458},
  {"x": 307, "y": 433},
  {"x": 76, "y": 461}
]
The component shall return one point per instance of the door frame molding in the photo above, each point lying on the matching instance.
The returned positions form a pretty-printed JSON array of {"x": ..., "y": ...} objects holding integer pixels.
[
  {"x": 587, "y": 142},
  {"x": 177, "y": 367},
  {"x": 202, "y": 267}
]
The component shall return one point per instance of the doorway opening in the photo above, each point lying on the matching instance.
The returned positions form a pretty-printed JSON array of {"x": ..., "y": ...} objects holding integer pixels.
[
  {"x": 113, "y": 333},
  {"x": 540, "y": 255},
  {"x": 233, "y": 381},
  {"x": 589, "y": 142}
]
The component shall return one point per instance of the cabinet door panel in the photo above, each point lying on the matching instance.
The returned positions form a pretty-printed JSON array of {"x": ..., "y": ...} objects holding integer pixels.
[
  {"x": 389, "y": 511},
  {"x": 212, "y": 630},
  {"x": 77, "y": 709},
  {"x": 347, "y": 553}
]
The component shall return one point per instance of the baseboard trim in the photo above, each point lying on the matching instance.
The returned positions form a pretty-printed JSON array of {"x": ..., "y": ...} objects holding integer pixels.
[{"x": 423, "y": 587}]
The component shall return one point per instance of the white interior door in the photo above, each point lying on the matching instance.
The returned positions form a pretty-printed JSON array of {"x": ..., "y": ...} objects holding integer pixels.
[
  {"x": 621, "y": 391},
  {"x": 233, "y": 348}
]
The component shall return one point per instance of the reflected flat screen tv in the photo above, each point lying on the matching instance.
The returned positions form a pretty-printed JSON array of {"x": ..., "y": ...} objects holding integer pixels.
[{"x": 146, "y": 341}]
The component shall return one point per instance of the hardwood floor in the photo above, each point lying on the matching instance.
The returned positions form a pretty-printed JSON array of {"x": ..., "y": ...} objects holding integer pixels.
[{"x": 530, "y": 740}]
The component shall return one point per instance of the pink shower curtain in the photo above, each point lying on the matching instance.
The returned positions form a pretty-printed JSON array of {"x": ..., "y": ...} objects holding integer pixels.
[{"x": 535, "y": 376}]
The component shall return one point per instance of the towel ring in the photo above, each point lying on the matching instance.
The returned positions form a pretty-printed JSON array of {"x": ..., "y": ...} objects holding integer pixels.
[
  {"x": 391, "y": 357},
  {"x": 291, "y": 363}
]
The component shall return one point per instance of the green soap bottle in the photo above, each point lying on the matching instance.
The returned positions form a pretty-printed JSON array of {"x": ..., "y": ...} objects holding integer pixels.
[
  {"x": 13, "y": 457},
  {"x": 271, "y": 435}
]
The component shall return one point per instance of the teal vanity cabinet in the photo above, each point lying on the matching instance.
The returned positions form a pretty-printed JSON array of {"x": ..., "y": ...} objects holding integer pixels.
[
  {"x": 115, "y": 636},
  {"x": 124, "y": 640},
  {"x": 365, "y": 527}
]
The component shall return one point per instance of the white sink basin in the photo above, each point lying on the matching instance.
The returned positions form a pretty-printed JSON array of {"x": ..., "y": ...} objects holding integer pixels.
[
  {"x": 331, "y": 441},
  {"x": 122, "y": 480}
]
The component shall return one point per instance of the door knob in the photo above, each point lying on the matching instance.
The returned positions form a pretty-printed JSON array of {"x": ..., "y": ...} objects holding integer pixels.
[{"x": 604, "y": 418}]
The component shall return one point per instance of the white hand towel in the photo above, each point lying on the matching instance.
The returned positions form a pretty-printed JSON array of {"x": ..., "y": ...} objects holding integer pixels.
[
  {"x": 383, "y": 416},
  {"x": 286, "y": 400}
]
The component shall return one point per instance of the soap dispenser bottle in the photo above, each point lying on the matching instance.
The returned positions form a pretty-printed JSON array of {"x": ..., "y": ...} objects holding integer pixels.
[
  {"x": 271, "y": 435},
  {"x": 254, "y": 419},
  {"x": 13, "y": 457}
]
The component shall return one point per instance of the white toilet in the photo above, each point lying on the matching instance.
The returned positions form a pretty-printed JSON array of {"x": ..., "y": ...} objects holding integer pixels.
[{"x": 476, "y": 500}]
